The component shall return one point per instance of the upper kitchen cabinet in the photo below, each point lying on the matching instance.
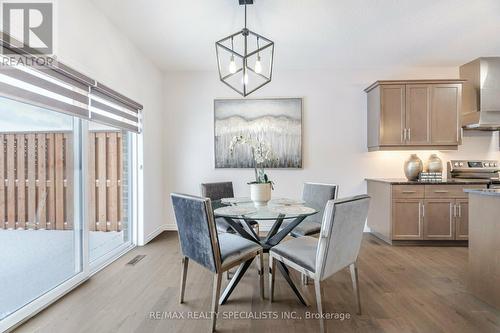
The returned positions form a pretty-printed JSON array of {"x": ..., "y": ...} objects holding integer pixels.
[
  {"x": 422, "y": 114},
  {"x": 417, "y": 114}
]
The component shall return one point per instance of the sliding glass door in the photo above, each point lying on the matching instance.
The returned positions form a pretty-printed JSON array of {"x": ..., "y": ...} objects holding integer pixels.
[
  {"x": 109, "y": 190},
  {"x": 66, "y": 203},
  {"x": 40, "y": 195},
  {"x": 66, "y": 190}
]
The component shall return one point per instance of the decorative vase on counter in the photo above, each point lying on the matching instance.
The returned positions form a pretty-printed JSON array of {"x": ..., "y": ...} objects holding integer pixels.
[
  {"x": 260, "y": 193},
  {"x": 413, "y": 167},
  {"x": 434, "y": 164}
]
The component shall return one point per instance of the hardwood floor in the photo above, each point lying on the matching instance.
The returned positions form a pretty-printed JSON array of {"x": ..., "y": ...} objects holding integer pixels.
[{"x": 403, "y": 289}]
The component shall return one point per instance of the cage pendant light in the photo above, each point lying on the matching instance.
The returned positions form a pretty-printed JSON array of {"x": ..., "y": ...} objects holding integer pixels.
[{"x": 245, "y": 59}]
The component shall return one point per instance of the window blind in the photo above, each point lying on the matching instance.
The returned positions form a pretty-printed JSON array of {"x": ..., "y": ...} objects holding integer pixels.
[
  {"x": 58, "y": 87},
  {"x": 109, "y": 107}
]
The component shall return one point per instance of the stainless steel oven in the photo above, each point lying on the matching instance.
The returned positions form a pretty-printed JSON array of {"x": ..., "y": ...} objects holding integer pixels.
[
  {"x": 487, "y": 171},
  {"x": 494, "y": 185}
]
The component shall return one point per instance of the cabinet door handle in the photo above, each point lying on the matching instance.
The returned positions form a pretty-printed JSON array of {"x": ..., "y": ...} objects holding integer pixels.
[
  {"x": 409, "y": 192},
  {"x": 403, "y": 135},
  {"x": 423, "y": 210},
  {"x": 409, "y": 134},
  {"x": 454, "y": 210},
  {"x": 441, "y": 191},
  {"x": 459, "y": 210},
  {"x": 420, "y": 218}
]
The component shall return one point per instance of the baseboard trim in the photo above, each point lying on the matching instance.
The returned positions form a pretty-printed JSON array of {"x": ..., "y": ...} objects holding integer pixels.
[
  {"x": 381, "y": 237},
  {"x": 170, "y": 227},
  {"x": 153, "y": 234}
]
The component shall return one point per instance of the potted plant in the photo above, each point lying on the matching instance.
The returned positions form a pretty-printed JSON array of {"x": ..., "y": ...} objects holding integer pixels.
[{"x": 260, "y": 189}]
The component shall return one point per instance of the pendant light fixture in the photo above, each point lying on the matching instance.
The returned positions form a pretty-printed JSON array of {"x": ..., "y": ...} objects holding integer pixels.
[{"x": 245, "y": 59}]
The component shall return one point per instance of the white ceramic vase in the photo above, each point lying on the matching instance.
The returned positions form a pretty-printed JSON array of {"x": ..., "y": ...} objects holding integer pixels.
[{"x": 260, "y": 194}]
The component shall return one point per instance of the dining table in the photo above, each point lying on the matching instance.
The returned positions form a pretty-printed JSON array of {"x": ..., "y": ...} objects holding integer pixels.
[{"x": 285, "y": 214}]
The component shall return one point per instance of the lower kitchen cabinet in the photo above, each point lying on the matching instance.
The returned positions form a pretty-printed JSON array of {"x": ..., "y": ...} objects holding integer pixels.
[
  {"x": 438, "y": 219},
  {"x": 408, "y": 213},
  {"x": 462, "y": 219},
  {"x": 418, "y": 212}
]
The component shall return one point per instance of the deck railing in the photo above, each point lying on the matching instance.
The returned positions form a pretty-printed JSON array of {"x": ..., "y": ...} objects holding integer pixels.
[{"x": 37, "y": 187}]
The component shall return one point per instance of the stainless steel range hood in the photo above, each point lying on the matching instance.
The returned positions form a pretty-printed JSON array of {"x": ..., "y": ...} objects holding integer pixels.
[{"x": 481, "y": 94}]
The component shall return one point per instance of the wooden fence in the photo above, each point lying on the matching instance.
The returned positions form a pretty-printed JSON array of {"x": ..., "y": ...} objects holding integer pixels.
[
  {"x": 37, "y": 187},
  {"x": 105, "y": 181}
]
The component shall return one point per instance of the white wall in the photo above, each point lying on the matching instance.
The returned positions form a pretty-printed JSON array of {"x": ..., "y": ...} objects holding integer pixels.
[
  {"x": 88, "y": 42},
  {"x": 334, "y": 131}
]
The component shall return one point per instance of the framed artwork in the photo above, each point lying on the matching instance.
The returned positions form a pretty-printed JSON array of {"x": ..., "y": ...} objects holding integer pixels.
[{"x": 277, "y": 122}]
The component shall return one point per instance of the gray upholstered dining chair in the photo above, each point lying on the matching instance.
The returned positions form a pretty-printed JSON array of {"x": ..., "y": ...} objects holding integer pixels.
[
  {"x": 201, "y": 243},
  {"x": 315, "y": 195},
  {"x": 337, "y": 247},
  {"x": 216, "y": 192}
]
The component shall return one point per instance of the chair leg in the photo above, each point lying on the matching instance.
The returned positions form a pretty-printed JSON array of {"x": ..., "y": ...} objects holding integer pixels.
[
  {"x": 272, "y": 271},
  {"x": 317, "y": 288},
  {"x": 304, "y": 279},
  {"x": 355, "y": 284},
  {"x": 215, "y": 298},
  {"x": 185, "y": 263},
  {"x": 261, "y": 274},
  {"x": 257, "y": 229}
]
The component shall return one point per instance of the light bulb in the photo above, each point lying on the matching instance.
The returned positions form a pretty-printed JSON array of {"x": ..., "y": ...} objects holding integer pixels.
[
  {"x": 244, "y": 79},
  {"x": 232, "y": 66},
  {"x": 258, "y": 66}
]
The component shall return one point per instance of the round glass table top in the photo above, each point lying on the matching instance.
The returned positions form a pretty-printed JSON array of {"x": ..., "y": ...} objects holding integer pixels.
[{"x": 244, "y": 208}]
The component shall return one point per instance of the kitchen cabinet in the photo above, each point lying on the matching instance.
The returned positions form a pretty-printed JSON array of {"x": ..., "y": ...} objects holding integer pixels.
[
  {"x": 417, "y": 115},
  {"x": 439, "y": 219},
  {"x": 445, "y": 114},
  {"x": 392, "y": 99},
  {"x": 462, "y": 219},
  {"x": 407, "y": 211},
  {"x": 414, "y": 114}
]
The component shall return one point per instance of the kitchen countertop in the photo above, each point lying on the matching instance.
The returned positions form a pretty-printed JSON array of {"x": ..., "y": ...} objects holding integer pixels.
[
  {"x": 403, "y": 181},
  {"x": 488, "y": 192}
]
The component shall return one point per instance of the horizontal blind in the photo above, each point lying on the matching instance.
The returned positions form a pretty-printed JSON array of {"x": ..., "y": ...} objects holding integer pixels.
[
  {"x": 114, "y": 109},
  {"x": 58, "y": 87},
  {"x": 44, "y": 88}
]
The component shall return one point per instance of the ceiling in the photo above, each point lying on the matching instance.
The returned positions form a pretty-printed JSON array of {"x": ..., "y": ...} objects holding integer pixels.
[{"x": 314, "y": 34}]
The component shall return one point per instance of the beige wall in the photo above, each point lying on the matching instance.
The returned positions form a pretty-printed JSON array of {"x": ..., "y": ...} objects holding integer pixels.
[{"x": 334, "y": 130}]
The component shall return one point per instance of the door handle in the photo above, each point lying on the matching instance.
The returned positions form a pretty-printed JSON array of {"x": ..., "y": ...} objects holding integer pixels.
[
  {"x": 459, "y": 210},
  {"x": 409, "y": 134},
  {"x": 403, "y": 135},
  {"x": 423, "y": 210},
  {"x": 409, "y": 192},
  {"x": 441, "y": 191},
  {"x": 454, "y": 210}
]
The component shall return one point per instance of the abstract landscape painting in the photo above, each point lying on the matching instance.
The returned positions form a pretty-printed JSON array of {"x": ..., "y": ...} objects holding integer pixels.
[{"x": 275, "y": 121}]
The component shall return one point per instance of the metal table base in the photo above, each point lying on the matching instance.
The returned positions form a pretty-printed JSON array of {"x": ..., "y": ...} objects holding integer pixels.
[{"x": 273, "y": 238}]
